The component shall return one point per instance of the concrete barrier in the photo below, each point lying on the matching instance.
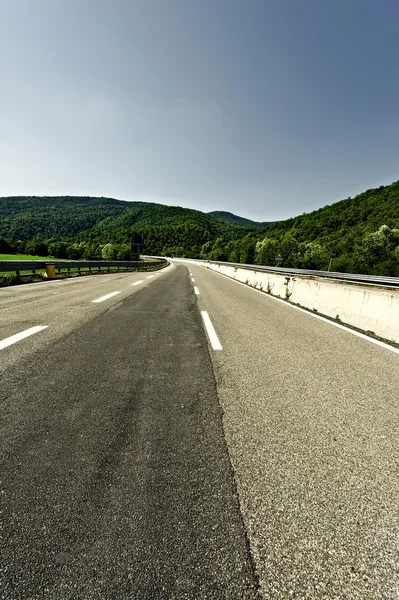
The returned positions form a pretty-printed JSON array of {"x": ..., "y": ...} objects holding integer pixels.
[{"x": 373, "y": 309}]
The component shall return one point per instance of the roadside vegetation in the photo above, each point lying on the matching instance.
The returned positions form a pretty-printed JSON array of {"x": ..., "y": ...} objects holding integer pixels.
[
  {"x": 29, "y": 276},
  {"x": 22, "y": 257},
  {"x": 362, "y": 232}
]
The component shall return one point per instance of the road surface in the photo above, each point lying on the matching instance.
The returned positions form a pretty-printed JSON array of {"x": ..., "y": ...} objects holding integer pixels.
[{"x": 146, "y": 455}]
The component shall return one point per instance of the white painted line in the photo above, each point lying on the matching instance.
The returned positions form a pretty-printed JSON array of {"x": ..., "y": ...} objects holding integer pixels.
[
  {"x": 311, "y": 314},
  {"x": 213, "y": 338},
  {"x": 192, "y": 279},
  {"x": 106, "y": 297},
  {"x": 20, "y": 336},
  {"x": 137, "y": 282},
  {"x": 196, "y": 290},
  {"x": 150, "y": 276}
]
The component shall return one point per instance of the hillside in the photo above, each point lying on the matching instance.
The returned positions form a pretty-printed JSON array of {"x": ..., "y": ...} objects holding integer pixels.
[
  {"x": 363, "y": 232},
  {"x": 23, "y": 218},
  {"x": 78, "y": 227},
  {"x": 229, "y": 217}
]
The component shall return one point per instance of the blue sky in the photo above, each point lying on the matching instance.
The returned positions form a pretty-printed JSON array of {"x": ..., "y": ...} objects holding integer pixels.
[{"x": 265, "y": 108}]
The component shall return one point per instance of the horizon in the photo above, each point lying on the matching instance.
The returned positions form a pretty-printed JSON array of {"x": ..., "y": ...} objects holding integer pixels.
[
  {"x": 190, "y": 207},
  {"x": 261, "y": 108}
]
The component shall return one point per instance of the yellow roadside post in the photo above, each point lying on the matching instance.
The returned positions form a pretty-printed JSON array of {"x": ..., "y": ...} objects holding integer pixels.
[{"x": 50, "y": 272}]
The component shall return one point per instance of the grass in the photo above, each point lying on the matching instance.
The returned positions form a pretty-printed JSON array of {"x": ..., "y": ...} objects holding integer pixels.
[
  {"x": 22, "y": 257},
  {"x": 8, "y": 277}
]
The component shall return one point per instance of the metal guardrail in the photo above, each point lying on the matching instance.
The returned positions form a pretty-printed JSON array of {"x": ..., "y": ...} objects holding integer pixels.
[
  {"x": 350, "y": 277},
  {"x": 16, "y": 266}
]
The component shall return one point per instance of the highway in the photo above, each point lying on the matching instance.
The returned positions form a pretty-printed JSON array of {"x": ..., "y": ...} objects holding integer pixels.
[{"x": 182, "y": 436}]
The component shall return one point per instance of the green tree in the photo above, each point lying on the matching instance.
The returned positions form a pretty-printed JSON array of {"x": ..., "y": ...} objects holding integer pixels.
[
  {"x": 4, "y": 247},
  {"x": 58, "y": 249},
  {"x": 377, "y": 251},
  {"x": 218, "y": 251},
  {"x": 92, "y": 251},
  {"x": 266, "y": 251},
  {"x": 124, "y": 252},
  {"x": 206, "y": 249},
  {"x": 36, "y": 246},
  {"x": 109, "y": 252},
  {"x": 247, "y": 250},
  {"x": 315, "y": 256},
  {"x": 289, "y": 249},
  {"x": 74, "y": 252},
  {"x": 233, "y": 251}
]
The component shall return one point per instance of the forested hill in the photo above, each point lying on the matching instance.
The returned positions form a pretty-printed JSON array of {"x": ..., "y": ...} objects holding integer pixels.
[
  {"x": 363, "y": 232},
  {"x": 229, "y": 217},
  {"x": 80, "y": 227},
  {"x": 23, "y": 218}
]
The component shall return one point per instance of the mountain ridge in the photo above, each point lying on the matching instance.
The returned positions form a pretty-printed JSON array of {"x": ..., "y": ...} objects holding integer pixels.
[
  {"x": 363, "y": 232},
  {"x": 229, "y": 217}
]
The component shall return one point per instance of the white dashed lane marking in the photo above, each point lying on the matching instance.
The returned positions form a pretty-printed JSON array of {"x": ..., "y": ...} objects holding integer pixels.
[
  {"x": 106, "y": 297},
  {"x": 213, "y": 338},
  {"x": 20, "y": 336}
]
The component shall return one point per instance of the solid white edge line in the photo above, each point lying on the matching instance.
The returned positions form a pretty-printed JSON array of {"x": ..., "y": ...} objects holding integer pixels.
[
  {"x": 20, "y": 336},
  {"x": 213, "y": 338},
  {"x": 106, "y": 297},
  {"x": 196, "y": 290},
  {"x": 137, "y": 282},
  {"x": 311, "y": 314}
]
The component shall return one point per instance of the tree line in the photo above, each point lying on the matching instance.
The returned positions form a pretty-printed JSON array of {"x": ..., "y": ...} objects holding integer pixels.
[{"x": 361, "y": 232}]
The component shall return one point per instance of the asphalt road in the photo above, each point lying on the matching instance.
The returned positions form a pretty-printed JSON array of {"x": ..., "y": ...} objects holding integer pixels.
[
  {"x": 115, "y": 477},
  {"x": 137, "y": 461},
  {"x": 311, "y": 419},
  {"x": 61, "y": 305}
]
